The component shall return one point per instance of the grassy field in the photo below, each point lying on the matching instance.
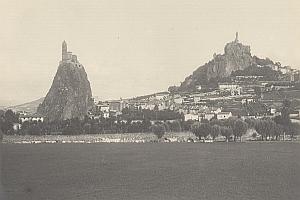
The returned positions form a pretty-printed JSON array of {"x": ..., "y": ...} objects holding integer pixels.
[{"x": 151, "y": 171}]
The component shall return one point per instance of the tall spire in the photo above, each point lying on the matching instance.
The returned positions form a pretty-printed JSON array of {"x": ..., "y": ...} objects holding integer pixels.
[{"x": 236, "y": 37}]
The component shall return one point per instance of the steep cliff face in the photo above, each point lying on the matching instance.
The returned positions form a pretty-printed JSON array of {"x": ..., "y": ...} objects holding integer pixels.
[
  {"x": 236, "y": 57},
  {"x": 70, "y": 95}
]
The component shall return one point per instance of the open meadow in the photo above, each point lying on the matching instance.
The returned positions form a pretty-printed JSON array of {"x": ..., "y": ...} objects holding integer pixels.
[{"x": 258, "y": 170}]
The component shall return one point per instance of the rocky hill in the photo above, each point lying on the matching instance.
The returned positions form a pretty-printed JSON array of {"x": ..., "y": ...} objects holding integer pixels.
[
  {"x": 70, "y": 94},
  {"x": 236, "y": 57}
]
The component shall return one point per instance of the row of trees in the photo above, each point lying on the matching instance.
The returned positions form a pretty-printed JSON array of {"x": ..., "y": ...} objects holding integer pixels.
[
  {"x": 76, "y": 126},
  {"x": 131, "y": 121},
  {"x": 215, "y": 128},
  {"x": 266, "y": 129}
]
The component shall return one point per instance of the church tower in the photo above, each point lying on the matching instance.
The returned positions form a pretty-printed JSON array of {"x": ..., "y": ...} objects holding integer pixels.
[{"x": 64, "y": 51}]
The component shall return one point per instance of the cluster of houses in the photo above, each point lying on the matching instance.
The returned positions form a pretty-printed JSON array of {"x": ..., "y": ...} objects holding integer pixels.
[
  {"x": 293, "y": 74},
  {"x": 198, "y": 105},
  {"x": 221, "y": 103}
]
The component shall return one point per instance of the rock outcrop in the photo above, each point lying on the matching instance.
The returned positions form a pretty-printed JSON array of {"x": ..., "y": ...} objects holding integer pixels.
[
  {"x": 70, "y": 95},
  {"x": 236, "y": 57}
]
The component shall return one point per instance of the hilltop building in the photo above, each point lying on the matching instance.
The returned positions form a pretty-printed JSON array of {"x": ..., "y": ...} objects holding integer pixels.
[{"x": 67, "y": 56}]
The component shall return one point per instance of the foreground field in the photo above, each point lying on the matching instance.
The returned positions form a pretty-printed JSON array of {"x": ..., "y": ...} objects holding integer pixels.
[{"x": 151, "y": 171}]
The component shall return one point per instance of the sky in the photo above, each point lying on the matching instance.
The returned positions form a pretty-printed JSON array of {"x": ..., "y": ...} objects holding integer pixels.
[{"x": 135, "y": 47}]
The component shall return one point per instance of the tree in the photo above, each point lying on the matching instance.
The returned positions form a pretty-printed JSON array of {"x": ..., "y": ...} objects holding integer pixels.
[
  {"x": 260, "y": 128},
  {"x": 125, "y": 111},
  {"x": 9, "y": 119},
  {"x": 226, "y": 132},
  {"x": 167, "y": 127},
  {"x": 216, "y": 122},
  {"x": 175, "y": 126},
  {"x": 34, "y": 129},
  {"x": 230, "y": 122},
  {"x": 266, "y": 128},
  {"x": 270, "y": 129},
  {"x": 201, "y": 130},
  {"x": 284, "y": 119},
  {"x": 251, "y": 122},
  {"x": 286, "y": 109},
  {"x": 87, "y": 128},
  {"x": 172, "y": 89},
  {"x": 145, "y": 125},
  {"x": 10, "y": 116},
  {"x": 187, "y": 125},
  {"x": 215, "y": 131},
  {"x": 294, "y": 130},
  {"x": 95, "y": 128},
  {"x": 278, "y": 131},
  {"x": 159, "y": 130},
  {"x": 1, "y": 134},
  {"x": 72, "y": 127},
  {"x": 240, "y": 128},
  {"x": 195, "y": 130}
]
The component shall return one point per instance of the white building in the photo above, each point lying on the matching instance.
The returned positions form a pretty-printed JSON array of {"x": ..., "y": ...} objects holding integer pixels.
[
  {"x": 272, "y": 111},
  {"x": 224, "y": 115},
  {"x": 209, "y": 116},
  {"x": 34, "y": 117},
  {"x": 178, "y": 100},
  {"x": 103, "y": 107},
  {"x": 194, "y": 117},
  {"x": 228, "y": 86},
  {"x": 248, "y": 100}
]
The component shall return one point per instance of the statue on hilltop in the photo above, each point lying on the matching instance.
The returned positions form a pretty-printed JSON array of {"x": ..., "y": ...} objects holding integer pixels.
[{"x": 236, "y": 37}]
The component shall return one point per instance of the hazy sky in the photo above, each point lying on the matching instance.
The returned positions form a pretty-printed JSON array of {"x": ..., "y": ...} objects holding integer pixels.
[{"x": 135, "y": 47}]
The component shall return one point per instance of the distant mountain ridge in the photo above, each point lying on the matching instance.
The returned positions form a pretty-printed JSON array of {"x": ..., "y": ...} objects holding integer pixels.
[{"x": 30, "y": 107}]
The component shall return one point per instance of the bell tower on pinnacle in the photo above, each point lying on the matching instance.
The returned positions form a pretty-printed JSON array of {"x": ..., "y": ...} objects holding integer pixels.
[{"x": 67, "y": 56}]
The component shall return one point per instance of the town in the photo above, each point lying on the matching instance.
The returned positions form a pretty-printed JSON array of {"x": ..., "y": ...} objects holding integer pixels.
[
  {"x": 248, "y": 94},
  {"x": 262, "y": 90}
]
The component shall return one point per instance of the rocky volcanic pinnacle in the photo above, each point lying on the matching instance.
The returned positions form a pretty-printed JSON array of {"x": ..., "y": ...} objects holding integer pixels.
[
  {"x": 236, "y": 57},
  {"x": 70, "y": 95}
]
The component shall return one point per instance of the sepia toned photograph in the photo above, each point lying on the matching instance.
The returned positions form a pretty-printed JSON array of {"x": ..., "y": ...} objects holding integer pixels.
[{"x": 149, "y": 100}]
